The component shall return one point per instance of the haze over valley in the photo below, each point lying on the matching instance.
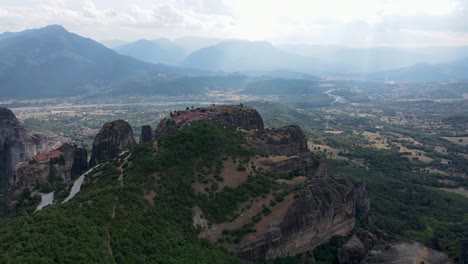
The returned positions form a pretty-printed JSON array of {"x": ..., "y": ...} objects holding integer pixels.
[{"x": 233, "y": 132}]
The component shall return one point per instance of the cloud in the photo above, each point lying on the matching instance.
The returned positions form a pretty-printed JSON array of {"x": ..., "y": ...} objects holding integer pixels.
[{"x": 357, "y": 22}]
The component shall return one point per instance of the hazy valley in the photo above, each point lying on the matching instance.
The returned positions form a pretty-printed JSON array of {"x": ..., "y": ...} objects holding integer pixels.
[{"x": 210, "y": 150}]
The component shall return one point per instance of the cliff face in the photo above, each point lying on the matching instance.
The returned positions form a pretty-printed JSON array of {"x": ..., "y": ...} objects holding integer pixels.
[
  {"x": 62, "y": 165},
  {"x": 146, "y": 134},
  {"x": 325, "y": 208},
  {"x": 16, "y": 144},
  {"x": 235, "y": 115},
  {"x": 285, "y": 141},
  {"x": 372, "y": 248},
  {"x": 113, "y": 138}
]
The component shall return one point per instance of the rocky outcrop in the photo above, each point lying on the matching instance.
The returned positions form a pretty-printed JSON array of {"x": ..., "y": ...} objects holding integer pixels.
[
  {"x": 325, "y": 208},
  {"x": 372, "y": 248},
  {"x": 49, "y": 170},
  {"x": 362, "y": 201},
  {"x": 146, "y": 134},
  {"x": 285, "y": 141},
  {"x": 290, "y": 142},
  {"x": 76, "y": 159},
  {"x": 16, "y": 144},
  {"x": 113, "y": 138},
  {"x": 234, "y": 115}
]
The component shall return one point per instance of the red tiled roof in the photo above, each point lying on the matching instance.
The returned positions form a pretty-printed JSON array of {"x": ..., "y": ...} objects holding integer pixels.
[{"x": 47, "y": 156}]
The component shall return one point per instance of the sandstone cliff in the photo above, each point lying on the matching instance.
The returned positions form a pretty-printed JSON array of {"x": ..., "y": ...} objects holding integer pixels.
[
  {"x": 113, "y": 138},
  {"x": 372, "y": 248},
  {"x": 235, "y": 115},
  {"x": 325, "y": 208},
  {"x": 146, "y": 134},
  {"x": 16, "y": 144},
  {"x": 285, "y": 141}
]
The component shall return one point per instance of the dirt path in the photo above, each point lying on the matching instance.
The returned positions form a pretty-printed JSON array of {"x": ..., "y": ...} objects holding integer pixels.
[{"x": 121, "y": 169}]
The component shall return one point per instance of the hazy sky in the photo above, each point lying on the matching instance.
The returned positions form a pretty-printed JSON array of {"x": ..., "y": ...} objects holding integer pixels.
[{"x": 345, "y": 22}]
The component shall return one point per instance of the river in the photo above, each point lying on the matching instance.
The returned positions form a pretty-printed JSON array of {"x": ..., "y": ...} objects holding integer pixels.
[{"x": 338, "y": 99}]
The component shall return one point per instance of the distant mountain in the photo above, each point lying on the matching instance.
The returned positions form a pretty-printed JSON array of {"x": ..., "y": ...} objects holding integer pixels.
[
  {"x": 192, "y": 44},
  {"x": 154, "y": 51},
  {"x": 6, "y": 35},
  {"x": 240, "y": 55},
  {"x": 349, "y": 59},
  {"x": 423, "y": 72},
  {"x": 113, "y": 43},
  {"x": 52, "y": 62}
]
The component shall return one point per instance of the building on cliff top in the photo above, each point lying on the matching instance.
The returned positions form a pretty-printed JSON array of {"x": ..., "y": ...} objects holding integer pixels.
[{"x": 44, "y": 157}]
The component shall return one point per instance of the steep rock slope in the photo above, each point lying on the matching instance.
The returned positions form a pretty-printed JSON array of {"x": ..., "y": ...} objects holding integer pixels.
[
  {"x": 234, "y": 115},
  {"x": 372, "y": 248},
  {"x": 16, "y": 144},
  {"x": 113, "y": 138}
]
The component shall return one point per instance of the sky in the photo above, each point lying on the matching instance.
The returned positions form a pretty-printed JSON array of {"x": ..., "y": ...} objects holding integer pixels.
[{"x": 362, "y": 23}]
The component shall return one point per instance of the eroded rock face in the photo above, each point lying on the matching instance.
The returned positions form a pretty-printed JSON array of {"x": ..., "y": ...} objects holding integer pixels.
[
  {"x": 76, "y": 159},
  {"x": 325, "y": 208},
  {"x": 146, "y": 134},
  {"x": 234, "y": 115},
  {"x": 362, "y": 201},
  {"x": 16, "y": 144},
  {"x": 372, "y": 248},
  {"x": 59, "y": 166},
  {"x": 113, "y": 138},
  {"x": 285, "y": 141}
]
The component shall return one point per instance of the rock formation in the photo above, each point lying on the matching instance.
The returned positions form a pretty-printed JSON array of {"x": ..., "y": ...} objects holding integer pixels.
[
  {"x": 372, "y": 248},
  {"x": 325, "y": 208},
  {"x": 76, "y": 159},
  {"x": 60, "y": 166},
  {"x": 362, "y": 201},
  {"x": 285, "y": 141},
  {"x": 146, "y": 134},
  {"x": 113, "y": 138},
  {"x": 16, "y": 144},
  {"x": 235, "y": 115}
]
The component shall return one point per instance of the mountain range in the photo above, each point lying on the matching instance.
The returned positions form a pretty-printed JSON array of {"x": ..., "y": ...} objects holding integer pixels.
[
  {"x": 52, "y": 62},
  {"x": 259, "y": 56},
  {"x": 154, "y": 51}
]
